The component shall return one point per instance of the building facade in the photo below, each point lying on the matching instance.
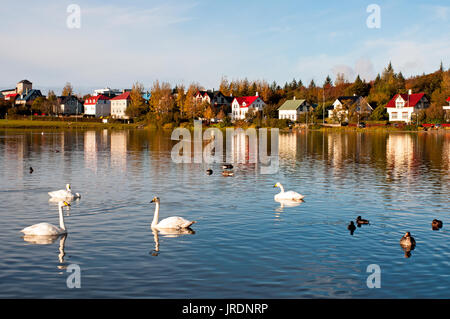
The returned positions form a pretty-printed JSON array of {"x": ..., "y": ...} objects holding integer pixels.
[
  {"x": 291, "y": 109},
  {"x": 119, "y": 105},
  {"x": 242, "y": 105},
  {"x": 402, "y": 106},
  {"x": 96, "y": 106}
]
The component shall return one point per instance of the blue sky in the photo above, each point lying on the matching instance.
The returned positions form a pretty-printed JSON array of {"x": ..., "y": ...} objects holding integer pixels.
[{"x": 121, "y": 42}]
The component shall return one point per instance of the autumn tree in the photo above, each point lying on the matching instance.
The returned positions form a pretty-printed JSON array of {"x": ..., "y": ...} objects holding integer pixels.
[
  {"x": 67, "y": 90},
  {"x": 137, "y": 106}
]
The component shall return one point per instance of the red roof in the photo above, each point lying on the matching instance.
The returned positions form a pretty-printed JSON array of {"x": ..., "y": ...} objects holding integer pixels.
[
  {"x": 448, "y": 99},
  {"x": 411, "y": 100},
  {"x": 94, "y": 99},
  {"x": 123, "y": 96},
  {"x": 12, "y": 95},
  {"x": 248, "y": 100}
]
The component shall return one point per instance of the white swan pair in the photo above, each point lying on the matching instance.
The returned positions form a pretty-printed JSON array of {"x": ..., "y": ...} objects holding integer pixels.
[
  {"x": 64, "y": 194},
  {"x": 287, "y": 196},
  {"x": 46, "y": 229}
]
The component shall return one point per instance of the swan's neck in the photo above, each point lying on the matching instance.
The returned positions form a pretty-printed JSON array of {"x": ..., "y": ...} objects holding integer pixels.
[
  {"x": 61, "y": 219},
  {"x": 282, "y": 188},
  {"x": 156, "y": 215}
]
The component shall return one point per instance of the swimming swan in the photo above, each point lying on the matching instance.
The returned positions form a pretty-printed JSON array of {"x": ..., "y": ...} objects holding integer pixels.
[
  {"x": 289, "y": 195},
  {"x": 174, "y": 222},
  {"x": 46, "y": 229},
  {"x": 64, "y": 193}
]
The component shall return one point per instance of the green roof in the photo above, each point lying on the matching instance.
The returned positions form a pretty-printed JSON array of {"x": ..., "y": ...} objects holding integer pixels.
[{"x": 291, "y": 105}]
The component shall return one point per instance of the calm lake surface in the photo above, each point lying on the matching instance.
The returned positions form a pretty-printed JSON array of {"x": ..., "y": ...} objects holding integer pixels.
[{"x": 245, "y": 244}]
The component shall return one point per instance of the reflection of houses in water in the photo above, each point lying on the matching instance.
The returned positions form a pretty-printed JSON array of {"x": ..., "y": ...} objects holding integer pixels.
[
  {"x": 446, "y": 152},
  {"x": 90, "y": 150},
  {"x": 14, "y": 154},
  {"x": 287, "y": 145},
  {"x": 244, "y": 147},
  {"x": 337, "y": 149},
  {"x": 119, "y": 149},
  {"x": 400, "y": 152}
]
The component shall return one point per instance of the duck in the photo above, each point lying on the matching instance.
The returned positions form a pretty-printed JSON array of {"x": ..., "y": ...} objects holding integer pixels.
[
  {"x": 289, "y": 195},
  {"x": 407, "y": 240},
  {"x": 360, "y": 221},
  {"x": 31, "y": 170},
  {"x": 209, "y": 171},
  {"x": 227, "y": 173},
  {"x": 65, "y": 193},
  {"x": 436, "y": 224},
  {"x": 351, "y": 227},
  {"x": 46, "y": 229},
  {"x": 174, "y": 222},
  {"x": 227, "y": 166}
]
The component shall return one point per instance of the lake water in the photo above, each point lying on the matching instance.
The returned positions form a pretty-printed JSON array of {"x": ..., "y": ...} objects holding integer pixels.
[{"x": 245, "y": 244}]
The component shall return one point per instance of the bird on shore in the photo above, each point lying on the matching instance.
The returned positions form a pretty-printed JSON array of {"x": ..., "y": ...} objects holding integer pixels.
[
  {"x": 289, "y": 195},
  {"x": 351, "y": 227},
  {"x": 209, "y": 171},
  {"x": 436, "y": 224},
  {"x": 361, "y": 221},
  {"x": 227, "y": 173},
  {"x": 227, "y": 166},
  {"x": 174, "y": 222},
  {"x": 65, "y": 193},
  {"x": 31, "y": 170},
  {"x": 46, "y": 229},
  {"x": 407, "y": 240}
]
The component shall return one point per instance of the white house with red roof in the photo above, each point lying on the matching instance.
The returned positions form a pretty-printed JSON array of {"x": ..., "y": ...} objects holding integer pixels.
[
  {"x": 402, "y": 106},
  {"x": 244, "y": 104},
  {"x": 99, "y": 105},
  {"x": 119, "y": 105},
  {"x": 447, "y": 107}
]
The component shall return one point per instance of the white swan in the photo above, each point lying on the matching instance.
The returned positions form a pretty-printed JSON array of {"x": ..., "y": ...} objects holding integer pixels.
[
  {"x": 64, "y": 193},
  {"x": 174, "y": 222},
  {"x": 289, "y": 195},
  {"x": 46, "y": 229}
]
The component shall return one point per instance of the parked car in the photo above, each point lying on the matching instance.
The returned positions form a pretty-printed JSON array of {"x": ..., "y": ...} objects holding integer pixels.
[
  {"x": 362, "y": 125},
  {"x": 437, "y": 125},
  {"x": 344, "y": 124}
]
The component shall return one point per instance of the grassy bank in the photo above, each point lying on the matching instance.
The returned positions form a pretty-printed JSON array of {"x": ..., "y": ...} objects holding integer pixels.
[{"x": 37, "y": 124}]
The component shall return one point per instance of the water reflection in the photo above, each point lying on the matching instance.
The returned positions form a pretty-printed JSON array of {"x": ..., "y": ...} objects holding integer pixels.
[
  {"x": 399, "y": 154},
  {"x": 173, "y": 233},
  {"x": 90, "y": 150},
  {"x": 119, "y": 150}
]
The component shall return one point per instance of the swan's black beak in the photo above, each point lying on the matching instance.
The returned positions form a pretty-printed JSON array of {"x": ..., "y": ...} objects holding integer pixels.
[{"x": 153, "y": 200}]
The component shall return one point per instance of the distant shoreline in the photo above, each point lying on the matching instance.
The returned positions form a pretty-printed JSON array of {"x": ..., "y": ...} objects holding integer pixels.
[{"x": 39, "y": 124}]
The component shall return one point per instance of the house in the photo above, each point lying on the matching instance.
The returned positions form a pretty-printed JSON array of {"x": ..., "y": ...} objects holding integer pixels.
[
  {"x": 291, "y": 109},
  {"x": 119, "y": 105},
  {"x": 402, "y": 106},
  {"x": 98, "y": 105},
  {"x": 447, "y": 107},
  {"x": 107, "y": 92},
  {"x": 27, "y": 96},
  {"x": 215, "y": 98},
  {"x": 69, "y": 105},
  {"x": 22, "y": 87},
  {"x": 343, "y": 104},
  {"x": 244, "y": 104}
]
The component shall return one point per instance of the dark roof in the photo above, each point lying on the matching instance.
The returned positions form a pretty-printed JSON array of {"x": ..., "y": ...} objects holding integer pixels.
[
  {"x": 63, "y": 99},
  {"x": 26, "y": 82},
  {"x": 352, "y": 97},
  {"x": 30, "y": 94},
  {"x": 7, "y": 90}
]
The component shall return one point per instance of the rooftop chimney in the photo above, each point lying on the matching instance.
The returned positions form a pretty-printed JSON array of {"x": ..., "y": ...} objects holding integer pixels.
[
  {"x": 257, "y": 94},
  {"x": 409, "y": 92}
]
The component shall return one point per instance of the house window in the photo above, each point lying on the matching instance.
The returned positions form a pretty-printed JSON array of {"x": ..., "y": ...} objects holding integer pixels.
[
  {"x": 394, "y": 115},
  {"x": 404, "y": 115},
  {"x": 399, "y": 103}
]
